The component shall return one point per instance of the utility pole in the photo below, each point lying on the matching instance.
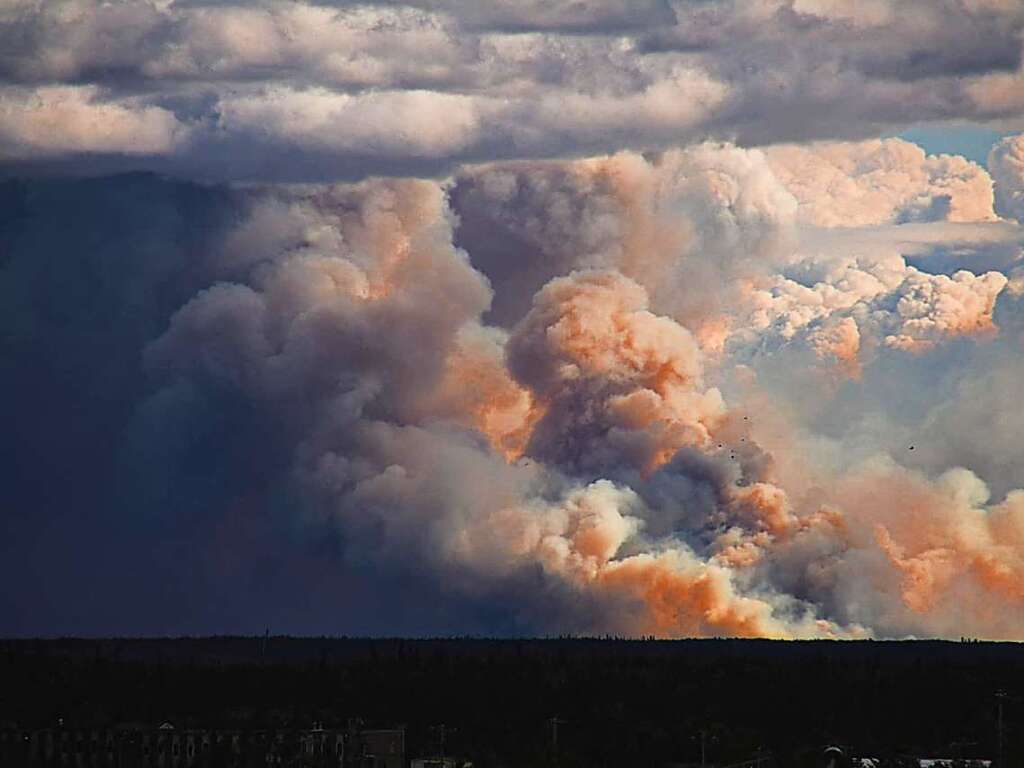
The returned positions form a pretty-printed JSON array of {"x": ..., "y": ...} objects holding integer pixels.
[
  {"x": 958, "y": 748},
  {"x": 704, "y": 747},
  {"x": 1000, "y": 698},
  {"x": 555, "y": 722},
  {"x": 441, "y": 731}
]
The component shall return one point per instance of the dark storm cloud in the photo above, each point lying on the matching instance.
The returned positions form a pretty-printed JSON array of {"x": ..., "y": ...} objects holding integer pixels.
[
  {"x": 567, "y": 16},
  {"x": 301, "y": 91},
  {"x": 907, "y": 41}
]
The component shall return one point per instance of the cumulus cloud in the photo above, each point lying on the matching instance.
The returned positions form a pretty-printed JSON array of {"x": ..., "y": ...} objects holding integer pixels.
[
  {"x": 719, "y": 239},
  {"x": 890, "y": 303},
  {"x": 1006, "y": 164},
  {"x": 358, "y": 46},
  {"x": 70, "y": 120},
  {"x": 404, "y": 123},
  {"x": 999, "y": 95},
  {"x": 324, "y": 92},
  {"x": 930, "y": 307},
  {"x": 682, "y": 224},
  {"x": 412, "y": 88},
  {"x": 71, "y": 40},
  {"x": 881, "y": 181}
]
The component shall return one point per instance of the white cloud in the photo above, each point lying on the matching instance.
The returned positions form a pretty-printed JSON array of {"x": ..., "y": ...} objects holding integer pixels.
[
  {"x": 879, "y": 182},
  {"x": 58, "y": 120},
  {"x": 399, "y": 123},
  {"x": 529, "y": 80},
  {"x": 1006, "y": 164}
]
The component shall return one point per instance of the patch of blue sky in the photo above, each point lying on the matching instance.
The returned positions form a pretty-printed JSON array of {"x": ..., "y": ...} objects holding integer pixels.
[{"x": 971, "y": 141}]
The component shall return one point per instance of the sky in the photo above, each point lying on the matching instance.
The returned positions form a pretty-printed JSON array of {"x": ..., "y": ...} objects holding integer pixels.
[
  {"x": 444, "y": 317},
  {"x": 971, "y": 142}
]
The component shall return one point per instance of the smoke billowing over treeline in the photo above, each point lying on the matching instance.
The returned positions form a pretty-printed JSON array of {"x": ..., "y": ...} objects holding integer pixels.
[{"x": 432, "y": 317}]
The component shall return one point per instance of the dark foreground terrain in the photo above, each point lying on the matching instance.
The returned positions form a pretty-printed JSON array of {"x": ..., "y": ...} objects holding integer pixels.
[{"x": 613, "y": 702}]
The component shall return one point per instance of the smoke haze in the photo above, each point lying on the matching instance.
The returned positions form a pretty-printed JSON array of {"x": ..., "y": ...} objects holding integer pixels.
[{"x": 445, "y": 317}]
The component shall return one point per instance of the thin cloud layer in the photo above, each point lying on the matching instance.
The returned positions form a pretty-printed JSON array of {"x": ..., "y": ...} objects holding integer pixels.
[{"x": 346, "y": 90}]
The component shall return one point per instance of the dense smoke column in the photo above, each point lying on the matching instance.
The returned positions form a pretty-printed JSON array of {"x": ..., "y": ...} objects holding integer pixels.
[{"x": 567, "y": 318}]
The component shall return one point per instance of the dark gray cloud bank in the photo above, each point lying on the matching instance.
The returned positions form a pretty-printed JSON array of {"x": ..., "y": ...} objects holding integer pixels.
[
  {"x": 504, "y": 318},
  {"x": 305, "y": 91}
]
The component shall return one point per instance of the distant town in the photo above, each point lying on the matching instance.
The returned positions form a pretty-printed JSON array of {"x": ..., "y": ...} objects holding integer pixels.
[
  {"x": 472, "y": 703},
  {"x": 164, "y": 746}
]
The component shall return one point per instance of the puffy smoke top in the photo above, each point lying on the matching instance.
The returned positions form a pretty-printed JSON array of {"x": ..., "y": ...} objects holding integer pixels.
[
  {"x": 1006, "y": 164},
  {"x": 881, "y": 181},
  {"x": 597, "y": 325},
  {"x": 620, "y": 385}
]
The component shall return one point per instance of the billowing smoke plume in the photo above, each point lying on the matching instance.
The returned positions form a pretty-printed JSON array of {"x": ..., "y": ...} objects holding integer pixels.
[
  {"x": 405, "y": 423},
  {"x": 712, "y": 233},
  {"x": 617, "y": 384},
  {"x": 577, "y": 462},
  {"x": 512, "y": 317}
]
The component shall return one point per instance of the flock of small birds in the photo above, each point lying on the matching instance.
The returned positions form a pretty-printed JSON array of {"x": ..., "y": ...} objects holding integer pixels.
[{"x": 732, "y": 453}]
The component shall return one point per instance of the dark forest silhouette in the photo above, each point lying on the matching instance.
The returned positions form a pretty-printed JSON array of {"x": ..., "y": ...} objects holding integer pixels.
[{"x": 613, "y": 702}]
